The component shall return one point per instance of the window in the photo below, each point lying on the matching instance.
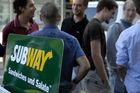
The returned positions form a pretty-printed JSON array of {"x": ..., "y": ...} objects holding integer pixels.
[{"x": 4, "y": 15}]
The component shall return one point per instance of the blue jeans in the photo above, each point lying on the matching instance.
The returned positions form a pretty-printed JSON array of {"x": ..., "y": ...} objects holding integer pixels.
[{"x": 116, "y": 84}]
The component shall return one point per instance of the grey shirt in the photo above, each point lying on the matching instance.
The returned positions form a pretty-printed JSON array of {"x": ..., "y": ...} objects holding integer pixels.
[{"x": 112, "y": 36}]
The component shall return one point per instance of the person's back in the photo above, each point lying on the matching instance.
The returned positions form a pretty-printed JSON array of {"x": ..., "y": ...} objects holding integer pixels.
[{"x": 72, "y": 50}]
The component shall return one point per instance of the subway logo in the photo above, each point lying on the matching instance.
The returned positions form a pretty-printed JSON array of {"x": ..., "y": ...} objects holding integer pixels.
[{"x": 31, "y": 57}]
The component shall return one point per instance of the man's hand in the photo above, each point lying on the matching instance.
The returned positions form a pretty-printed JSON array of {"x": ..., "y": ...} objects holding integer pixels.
[
  {"x": 83, "y": 69},
  {"x": 121, "y": 71}
]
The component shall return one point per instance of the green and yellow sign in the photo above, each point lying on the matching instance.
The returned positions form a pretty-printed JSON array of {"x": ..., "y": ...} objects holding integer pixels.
[{"x": 33, "y": 64}]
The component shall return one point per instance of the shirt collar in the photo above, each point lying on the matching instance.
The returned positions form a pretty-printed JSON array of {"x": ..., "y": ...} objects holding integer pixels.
[
  {"x": 50, "y": 26},
  {"x": 82, "y": 21},
  {"x": 16, "y": 22},
  {"x": 125, "y": 23}
]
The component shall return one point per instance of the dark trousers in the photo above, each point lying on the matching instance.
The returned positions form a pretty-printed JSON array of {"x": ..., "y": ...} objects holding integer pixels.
[{"x": 65, "y": 89}]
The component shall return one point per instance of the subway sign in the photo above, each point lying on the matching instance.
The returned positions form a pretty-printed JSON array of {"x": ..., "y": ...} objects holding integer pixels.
[{"x": 33, "y": 64}]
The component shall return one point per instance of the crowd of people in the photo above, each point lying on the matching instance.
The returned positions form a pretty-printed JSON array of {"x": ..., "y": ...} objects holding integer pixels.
[{"x": 85, "y": 46}]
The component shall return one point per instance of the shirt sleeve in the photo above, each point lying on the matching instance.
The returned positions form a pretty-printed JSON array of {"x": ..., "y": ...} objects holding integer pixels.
[
  {"x": 94, "y": 31},
  {"x": 122, "y": 49}
]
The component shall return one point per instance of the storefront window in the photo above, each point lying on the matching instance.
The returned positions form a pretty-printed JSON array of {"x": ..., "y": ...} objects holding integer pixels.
[
  {"x": 4, "y": 15},
  {"x": 38, "y": 4}
]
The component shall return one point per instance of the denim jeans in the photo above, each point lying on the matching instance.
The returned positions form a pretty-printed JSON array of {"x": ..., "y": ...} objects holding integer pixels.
[{"x": 116, "y": 84}]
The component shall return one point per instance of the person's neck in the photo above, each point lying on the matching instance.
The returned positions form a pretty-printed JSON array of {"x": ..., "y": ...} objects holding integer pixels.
[
  {"x": 78, "y": 18},
  {"x": 50, "y": 23},
  {"x": 24, "y": 21},
  {"x": 99, "y": 16}
]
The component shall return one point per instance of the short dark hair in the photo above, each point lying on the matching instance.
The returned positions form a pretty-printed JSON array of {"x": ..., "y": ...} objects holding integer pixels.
[
  {"x": 137, "y": 5},
  {"x": 17, "y": 4},
  {"x": 109, "y": 4},
  {"x": 85, "y": 2}
]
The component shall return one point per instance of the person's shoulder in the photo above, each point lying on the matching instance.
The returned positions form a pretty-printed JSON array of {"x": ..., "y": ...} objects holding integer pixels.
[
  {"x": 34, "y": 23},
  {"x": 130, "y": 31},
  {"x": 9, "y": 25},
  {"x": 66, "y": 34},
  {"x": 127, "y": 33},
  {"x": 37, "y": 33},
  {"x": 69, "y": 39},
  {"x": 117, "y": 25},
  {"x": 94, "y": 23},
  {"x": 67, "y": 19}
]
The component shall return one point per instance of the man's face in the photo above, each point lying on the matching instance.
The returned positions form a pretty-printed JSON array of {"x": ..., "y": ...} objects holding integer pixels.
[
  {"x": 129, "y": 12},
  {"x": 29, "y": 9},
  {"x": 78, "y": 8},
  {"x": 109, "y": 14}
]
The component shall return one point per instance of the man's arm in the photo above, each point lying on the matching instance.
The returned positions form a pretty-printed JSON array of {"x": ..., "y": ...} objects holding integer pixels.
[
  {"x": 122, "y": 56},
  {"x": 98, "y": 60},
  {"x": 122, "y": 71},
  {"x": 84, "y": 67}
]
